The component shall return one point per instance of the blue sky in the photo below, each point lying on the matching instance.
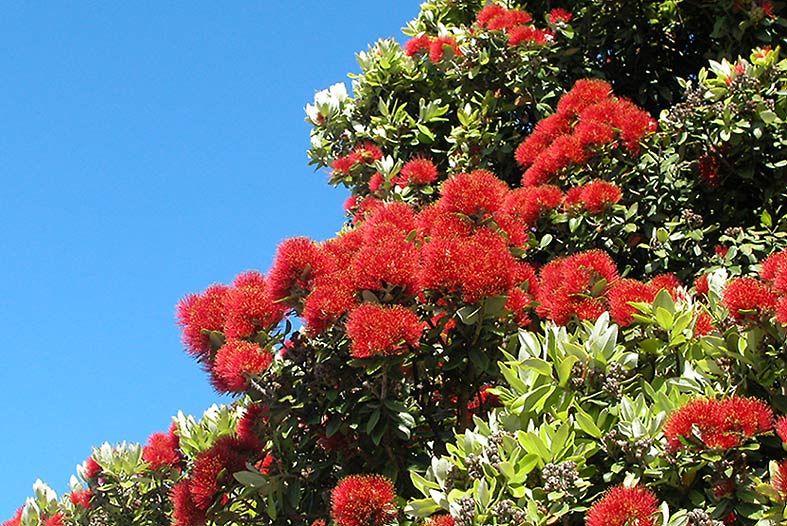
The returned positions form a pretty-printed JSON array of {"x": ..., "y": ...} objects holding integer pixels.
[{"x": 149, "y": 151}]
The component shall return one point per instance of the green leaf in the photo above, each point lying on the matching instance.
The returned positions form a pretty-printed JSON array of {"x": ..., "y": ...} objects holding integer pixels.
[
  {"x": 664, "y": 318},
  {"x": 587, "y": 424},
  {"x": 421, "y": 508},
  {"x": 250, "y": 479},
  {"x": 540, "y": 366},
  {"x": 373, "y": 419},
  {"x": 766, "y": 219},
  {"x": 768, "y": 116},
  {"x": 565, "y": 368}
]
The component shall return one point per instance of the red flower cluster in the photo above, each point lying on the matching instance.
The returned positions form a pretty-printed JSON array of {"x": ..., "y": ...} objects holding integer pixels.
[
  {"x": 724, "y": 424},
  {"x": 213, "y": 468},
  {"x": 781, "y": 428},
  {"x": 588, "y": 117},
  {"x": 416, "y": 172},
  {"x": 92, "y": 469},
  {"x": 625, "y": 291},
  {"x": 749, "y": 300},
  {"x": 514, "y": 22},
  {"x": 363, "y": 154},
  {"x": 708, "y": 166},
  {"x": 239, "y": 311},
  {"x": 250, "y": 425},
  {"x": 435, "y": 47},
  {"x": 774, "y": 272},
  {"x": 81, "y": 498},
  {"x": 377, "y": 330},
  {"x": 440, "y": 520},
  {"x": 779, "y": 479},
  {"x": 16, "y": 520},
  {"x": 360, "y": 500},
  {"x": 576, "y": 286},
  {"x": 622, "y": 506},
  {"x": 531, "y": 202},
  {"x": 162, "y": 449},
  {"x": 236, "y": 362},
  {"x": 595, "y": 196},
  {"x": 560, "y": 15},
  {"x": 54, "y": 520}
]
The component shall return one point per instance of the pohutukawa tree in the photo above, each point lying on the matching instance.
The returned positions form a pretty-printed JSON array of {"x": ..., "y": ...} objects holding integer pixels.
[{"x": 560, "y": 296}]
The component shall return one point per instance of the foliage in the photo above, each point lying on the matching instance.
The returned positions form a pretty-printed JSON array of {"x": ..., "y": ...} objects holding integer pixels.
[{"x": 560, "y": 295}]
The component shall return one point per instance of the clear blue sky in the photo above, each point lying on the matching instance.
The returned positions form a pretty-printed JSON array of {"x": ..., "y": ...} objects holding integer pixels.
[{"x": 148, "y": 151}]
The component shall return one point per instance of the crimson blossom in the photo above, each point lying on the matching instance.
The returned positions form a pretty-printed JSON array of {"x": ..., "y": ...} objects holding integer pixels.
[
  {"x": 162, "y": 449},
  {"x": 363, "y": 500},
  {"x": 622, "y": 506},
  {"x": 377, "y": 330},
  {"x": 722, "y": 424},
  {"x": 16, "y": 520},
  {"x": 440, "y": 520}
]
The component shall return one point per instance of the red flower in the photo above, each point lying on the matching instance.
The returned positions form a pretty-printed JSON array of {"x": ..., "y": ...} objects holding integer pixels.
[
  {"x": 474, "y": 194},
  {"x": 781, "y": 310},
  {"x": 528, "y": 203},
  {"x": 720, "y": 424},
  {"x": 774, "y": 270},
  {"x": 332, "y": 296},
  {"x": 622, "y": 293},
  {"x": 575, "y": 285},
  {"x": 767, "y": 8},
  {"x": 298, "y": 261},
  {"x": 438, "y": 47},
  {"x": 92, "y": 469},
  {"x": 343, "y": 165},
  {"x": 779, "y": 479},
  {"x": 237, "y": 361},
  {"x": 184, "y": 511},
  {"x": 474, "y": 267},
  {"x": 781, "y": 428},
  {"x": 417, "y": 171},
  {"x": 595, "y": 196},
  {"x": 701, "y": 285},
  {"x": 622, "y": 506},
  {"x": 560, "y": 15},
  {"x": 545, "y": 132},
  {"x": 250, "y": 307},
  {"x": 397, "y": 215},
  {"x": 703, "y": 325},
  {"x": 368, "y": 153},
  {"x": 249, "y": 427},
  {"x": 526, "y": 34},
  {"x": 749, "y": 299},
  {"x": 361, "y": 500},
  {"x": 488, "y": 13},
  {"x": 584, "y": 93},
  {"x": 708, "y": 166},
  {"x": 417, "y": 44},
  {"x": 161, "y": 450},
  {"x": 376, "y": 182},
  {"x": 16, "y": 520},
  {"x": 55, "y": 520},
  {"x": 668, "y": 282},
  {"x": 213, "y": 468},
  {"x": 198, "y": 314},
  {"x": 377, "y": 330},
  {"x": 386, "y": 260},
  {"x": 81, "y": 498},
  {"x": 440, "y": 520}
]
